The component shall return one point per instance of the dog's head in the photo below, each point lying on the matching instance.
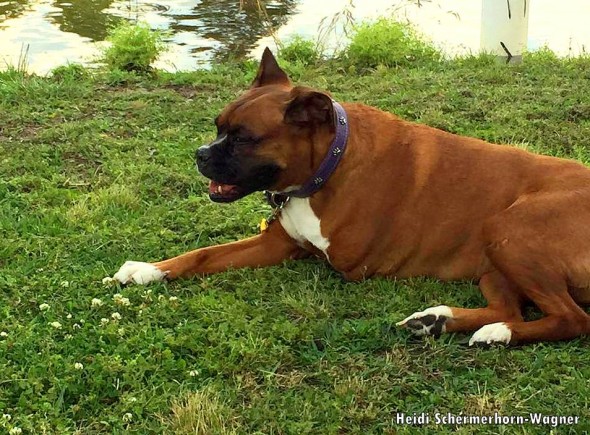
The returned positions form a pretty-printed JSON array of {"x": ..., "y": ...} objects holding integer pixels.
[{"x": 267, "y": 137}]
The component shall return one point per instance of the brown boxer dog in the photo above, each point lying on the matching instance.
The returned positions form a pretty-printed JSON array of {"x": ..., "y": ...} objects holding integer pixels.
[{"x": 376, "y": 195}]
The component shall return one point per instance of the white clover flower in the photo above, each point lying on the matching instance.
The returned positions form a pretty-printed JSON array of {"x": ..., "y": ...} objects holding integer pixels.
[
  {"x": 116, "y": 316},
  {"x": 79, "y": 366},
  {"x": 76, "y": 326},
  {"x": 121, "y": 331},
  {"x": 108, "y": 280},
  {"x": 173, "y": 299},
  {"x": 193, "y": 373},
  {"x": 7, "y": 417},
  {"x": 15, "y": 430},
  {"x": 133, "y": 399},
  {"x": 120, "y": 300},
  {"x": 3, "y": 334},
  {"x": 56, "y": 325},
  {"x": 69, "y": 316},
  {"x": 65, "y": 284},
  {"x": 104, "y": 321},
  {"x": 96, "y": 302},
  {"x": 127, "y": 417},
  {"x": 161, "y": 297},
  {"x": 44, "y": 307},
  {"x": 68, "y": 336}
]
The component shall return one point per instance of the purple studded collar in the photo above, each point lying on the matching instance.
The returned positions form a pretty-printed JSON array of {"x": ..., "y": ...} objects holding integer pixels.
[{"x": 326, "y": 168}]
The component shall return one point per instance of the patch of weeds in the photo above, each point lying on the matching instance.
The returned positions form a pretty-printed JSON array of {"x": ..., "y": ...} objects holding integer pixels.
[
  {"x": 119, "y": 77},
  {"x": 134, "y": 46},
  {"x": 201, "y": 413},
  {"x": 300, "y": 50},
  {"x": 390, "y": 43},
  {"x": 69, "y": 72}
]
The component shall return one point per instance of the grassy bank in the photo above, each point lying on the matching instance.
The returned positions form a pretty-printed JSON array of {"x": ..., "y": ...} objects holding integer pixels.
[{"x": 96, "y": 169}]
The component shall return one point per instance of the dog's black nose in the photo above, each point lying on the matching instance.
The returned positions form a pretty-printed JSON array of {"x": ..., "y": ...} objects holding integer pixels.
[{"x": 203, "y": 154}]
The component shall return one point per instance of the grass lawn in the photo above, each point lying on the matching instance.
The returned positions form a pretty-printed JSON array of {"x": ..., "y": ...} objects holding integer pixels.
[{"x": 98, "y": 169}]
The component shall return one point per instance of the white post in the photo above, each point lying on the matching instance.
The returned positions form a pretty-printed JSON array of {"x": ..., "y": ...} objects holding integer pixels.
[{"x": 504, "y": 28}]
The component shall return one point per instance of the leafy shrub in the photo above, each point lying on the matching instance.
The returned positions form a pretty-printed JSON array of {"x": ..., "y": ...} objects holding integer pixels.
[
  {"x": 390, "y": 43},
  {"x": 299, "y": 50},
  {"x": 134, "y": 46}
]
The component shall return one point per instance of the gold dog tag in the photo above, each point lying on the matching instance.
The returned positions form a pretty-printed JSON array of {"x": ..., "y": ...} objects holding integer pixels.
[{"x": 263, "y": 225}]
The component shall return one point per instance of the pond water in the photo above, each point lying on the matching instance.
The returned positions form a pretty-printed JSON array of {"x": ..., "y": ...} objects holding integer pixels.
[{"x": 55, "y": 32}]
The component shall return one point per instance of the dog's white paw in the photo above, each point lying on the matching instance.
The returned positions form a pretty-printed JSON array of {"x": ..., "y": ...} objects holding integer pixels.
[
  {"x": 492, "y": 333},
  {"x": 137, "y": 272},
  {"x": 431, "y": 321}
]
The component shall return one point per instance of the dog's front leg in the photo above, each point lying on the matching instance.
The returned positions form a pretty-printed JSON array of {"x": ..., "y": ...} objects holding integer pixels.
[{"x": 271, "y": 247}]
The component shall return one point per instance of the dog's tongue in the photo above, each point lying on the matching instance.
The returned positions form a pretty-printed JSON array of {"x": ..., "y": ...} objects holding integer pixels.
[{"x": 219, "y": 188}]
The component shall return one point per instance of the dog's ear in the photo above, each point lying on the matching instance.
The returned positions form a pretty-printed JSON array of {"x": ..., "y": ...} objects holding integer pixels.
[
  {"x": 269, "y": 72},
  {"x": 309, "y": 108}
]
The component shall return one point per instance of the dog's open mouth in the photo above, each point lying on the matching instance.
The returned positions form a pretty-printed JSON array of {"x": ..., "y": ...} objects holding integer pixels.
[{"x": 220, "y": 192}]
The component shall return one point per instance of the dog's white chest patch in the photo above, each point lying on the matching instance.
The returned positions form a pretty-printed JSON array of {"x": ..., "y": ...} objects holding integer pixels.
[{"x": 302, "y": 224}]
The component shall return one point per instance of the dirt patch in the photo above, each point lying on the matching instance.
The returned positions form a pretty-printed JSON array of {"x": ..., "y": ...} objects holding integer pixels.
[{"x": 23, "y": 134}]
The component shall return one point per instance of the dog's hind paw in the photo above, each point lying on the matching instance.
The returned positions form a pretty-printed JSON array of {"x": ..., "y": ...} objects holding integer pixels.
[
  {"x": 137, "y": 272},
  {"x": 492, "y": 333},
  {"x": 431, "y": 321}
]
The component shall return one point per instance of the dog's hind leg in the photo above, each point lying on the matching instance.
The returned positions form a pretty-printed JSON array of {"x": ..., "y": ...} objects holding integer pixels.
[
  {"x": 563, "y": 320},
  {"x": 537, "y": 251},
  {"x": 538, "y": 248},
  {"x": 503, "y": 305}
]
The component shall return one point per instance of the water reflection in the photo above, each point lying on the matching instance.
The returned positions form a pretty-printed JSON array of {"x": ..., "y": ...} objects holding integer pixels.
[
  {"x": 199, "y": 30},
  {"x": 237, "y": 27},
  {"x": 84, "y": 17}
]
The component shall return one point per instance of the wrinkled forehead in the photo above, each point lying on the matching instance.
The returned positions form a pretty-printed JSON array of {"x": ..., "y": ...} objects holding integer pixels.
[{"x": 258, "y": 109}]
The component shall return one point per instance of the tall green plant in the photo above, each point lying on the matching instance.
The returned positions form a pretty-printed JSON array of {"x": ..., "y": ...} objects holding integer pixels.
[
  {"x": 134, "y": 46},
  {"x": 299, "y": 49},
  {"x": 390, "y": 43}
]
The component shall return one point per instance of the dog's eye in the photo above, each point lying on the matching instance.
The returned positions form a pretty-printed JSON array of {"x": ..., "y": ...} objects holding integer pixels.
[
  {"x": 241, "y": 139},
  {"x": 238, "y": 135}
]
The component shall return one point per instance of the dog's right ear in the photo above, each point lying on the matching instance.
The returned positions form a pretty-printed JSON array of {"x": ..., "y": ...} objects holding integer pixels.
[{"x": 269, "y": 72}]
